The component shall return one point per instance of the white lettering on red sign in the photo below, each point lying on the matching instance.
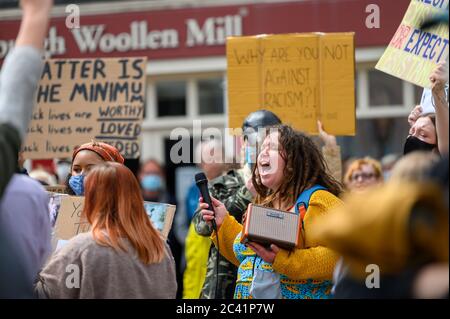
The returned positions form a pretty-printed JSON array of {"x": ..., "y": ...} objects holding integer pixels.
[{"x": 139, "y": 36}]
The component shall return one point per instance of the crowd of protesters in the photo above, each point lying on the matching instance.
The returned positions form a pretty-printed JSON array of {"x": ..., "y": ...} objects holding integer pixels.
[{"x": 391, "y": 216}]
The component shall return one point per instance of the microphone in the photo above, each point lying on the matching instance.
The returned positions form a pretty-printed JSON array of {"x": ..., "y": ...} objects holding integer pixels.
[{"x": 202, "y": 184}]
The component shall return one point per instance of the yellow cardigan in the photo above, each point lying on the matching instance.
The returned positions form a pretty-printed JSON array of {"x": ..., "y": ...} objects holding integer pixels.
[
  {"x": 312, "y": 262},
  {"x": 384, "y": 226}
]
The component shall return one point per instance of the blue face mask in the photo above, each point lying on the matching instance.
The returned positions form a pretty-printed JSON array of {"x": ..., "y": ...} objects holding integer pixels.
[
  {"x": 250, "y": 154},
  {"x": 151, "y": 183},
  {"x": 76, "y": 182}
]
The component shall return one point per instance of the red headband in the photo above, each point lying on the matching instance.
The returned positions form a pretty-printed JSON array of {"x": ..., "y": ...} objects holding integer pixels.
[{"x": 107, "y": 152}]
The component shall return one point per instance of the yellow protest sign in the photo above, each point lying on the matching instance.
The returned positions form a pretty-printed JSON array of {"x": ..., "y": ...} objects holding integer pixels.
[
  {"x": 301, "y": 77},
  {"x": 413, "y": 53},
  {"x": 79, "y": 100}
]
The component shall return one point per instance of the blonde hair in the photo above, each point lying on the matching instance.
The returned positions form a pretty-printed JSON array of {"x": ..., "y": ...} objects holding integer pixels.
[{"x": 358, "y": 163}]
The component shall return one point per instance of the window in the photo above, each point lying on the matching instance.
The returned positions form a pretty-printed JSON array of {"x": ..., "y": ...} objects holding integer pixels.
[
  {"x": 375, "y": 137},
  {"x": 418, "y": 90},
  {"x": 210, "y": 93},
  {"x": 171, "y": 97},
  {"x": 384, "y": 89}
]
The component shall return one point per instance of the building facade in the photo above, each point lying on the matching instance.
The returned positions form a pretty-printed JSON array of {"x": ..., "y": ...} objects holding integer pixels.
[{"x": 184, "y": 42}]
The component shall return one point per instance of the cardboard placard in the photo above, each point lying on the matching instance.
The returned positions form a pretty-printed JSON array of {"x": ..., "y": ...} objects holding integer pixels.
[
  {"x": 59, "y": 189},
  {"x": 161, "y": 216},
  {"x": 69, "y": 221},
  {"x": 301, "y": 77},
  {"x": 79, "y": 100},
  {"x": 413, "y": 53}
]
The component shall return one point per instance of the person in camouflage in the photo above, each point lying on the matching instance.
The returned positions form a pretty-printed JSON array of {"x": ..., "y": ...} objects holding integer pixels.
[
  {"x": 210, "y": 155},
  {"x": 231, "y": 190}
]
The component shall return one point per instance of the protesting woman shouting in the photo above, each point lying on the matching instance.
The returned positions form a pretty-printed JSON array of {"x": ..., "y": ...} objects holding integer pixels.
[{"x": 288, "y": 165}]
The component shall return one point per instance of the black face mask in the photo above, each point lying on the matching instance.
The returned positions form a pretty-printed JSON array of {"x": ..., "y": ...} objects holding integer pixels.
[{"x": 414, "y": 144}]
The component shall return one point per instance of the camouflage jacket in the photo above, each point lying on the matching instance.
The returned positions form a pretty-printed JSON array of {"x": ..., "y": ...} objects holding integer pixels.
[
  {"x": 332, "y": 156},
  {"x": 229, "y": 189}
]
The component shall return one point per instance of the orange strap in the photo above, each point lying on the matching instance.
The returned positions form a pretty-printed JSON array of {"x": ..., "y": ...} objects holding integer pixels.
[{"x": 302, "y": 213}]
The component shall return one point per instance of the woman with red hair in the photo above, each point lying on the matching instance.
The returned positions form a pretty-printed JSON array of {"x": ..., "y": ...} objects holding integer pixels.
[
  {"x": 85, "y": 157},
  {"x": 363, "y": 173},
  {"x": 123, "y": 256}
]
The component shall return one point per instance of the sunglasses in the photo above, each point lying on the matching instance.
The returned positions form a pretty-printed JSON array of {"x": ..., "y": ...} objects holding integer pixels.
[{"x": 363, "y": 176}]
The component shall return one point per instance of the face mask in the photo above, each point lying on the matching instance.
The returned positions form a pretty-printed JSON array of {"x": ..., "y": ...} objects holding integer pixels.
[
  {"x": 151, "y": 183},
  {"x": 76, "y": 183},
  {"x": 414, "y": 144},
  {"x": 250, "y": 154}
]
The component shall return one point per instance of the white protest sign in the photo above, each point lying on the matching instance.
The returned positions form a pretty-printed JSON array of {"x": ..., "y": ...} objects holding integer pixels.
[{"x": 426, "y": 102}]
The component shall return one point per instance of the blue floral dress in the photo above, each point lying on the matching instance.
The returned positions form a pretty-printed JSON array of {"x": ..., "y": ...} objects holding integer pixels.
[{"x": 290, "y": 289}]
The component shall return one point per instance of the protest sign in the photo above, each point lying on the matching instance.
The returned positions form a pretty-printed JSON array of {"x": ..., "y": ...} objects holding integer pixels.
[
  {"x": 427, "y": 103},
  {"x": 67, "y": 210},
  {"x": 54, "y": 206},
  {"x": 59, "y": 189},
  {"x": 83, "y": 99},
  {"x": 69, "y": 221},
  {"x": 161, "y": 216},
  {"x": 413, "y": 53},
  {"x": 300, "y": 77}
]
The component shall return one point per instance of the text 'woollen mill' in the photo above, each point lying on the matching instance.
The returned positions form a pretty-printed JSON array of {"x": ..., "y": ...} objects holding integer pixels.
[{"x": 94, "y": 38}]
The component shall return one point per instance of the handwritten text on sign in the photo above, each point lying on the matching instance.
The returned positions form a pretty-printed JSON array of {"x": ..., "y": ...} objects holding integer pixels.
[
  {"x": 70, "y": 221},
  {"x": 413, "y": 53},
  {"x": 300, "y": 77},
  {"x": 83, "y": 99}
]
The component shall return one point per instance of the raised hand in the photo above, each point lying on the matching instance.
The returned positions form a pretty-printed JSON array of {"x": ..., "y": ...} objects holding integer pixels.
[
  {"x": 36, "y": 6},
  {"x": 414, "y": 115},
  {"x": 328, "y": 139},
  {"x": 33, "y": 29},
  {"x": 439, "y": 76}
]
